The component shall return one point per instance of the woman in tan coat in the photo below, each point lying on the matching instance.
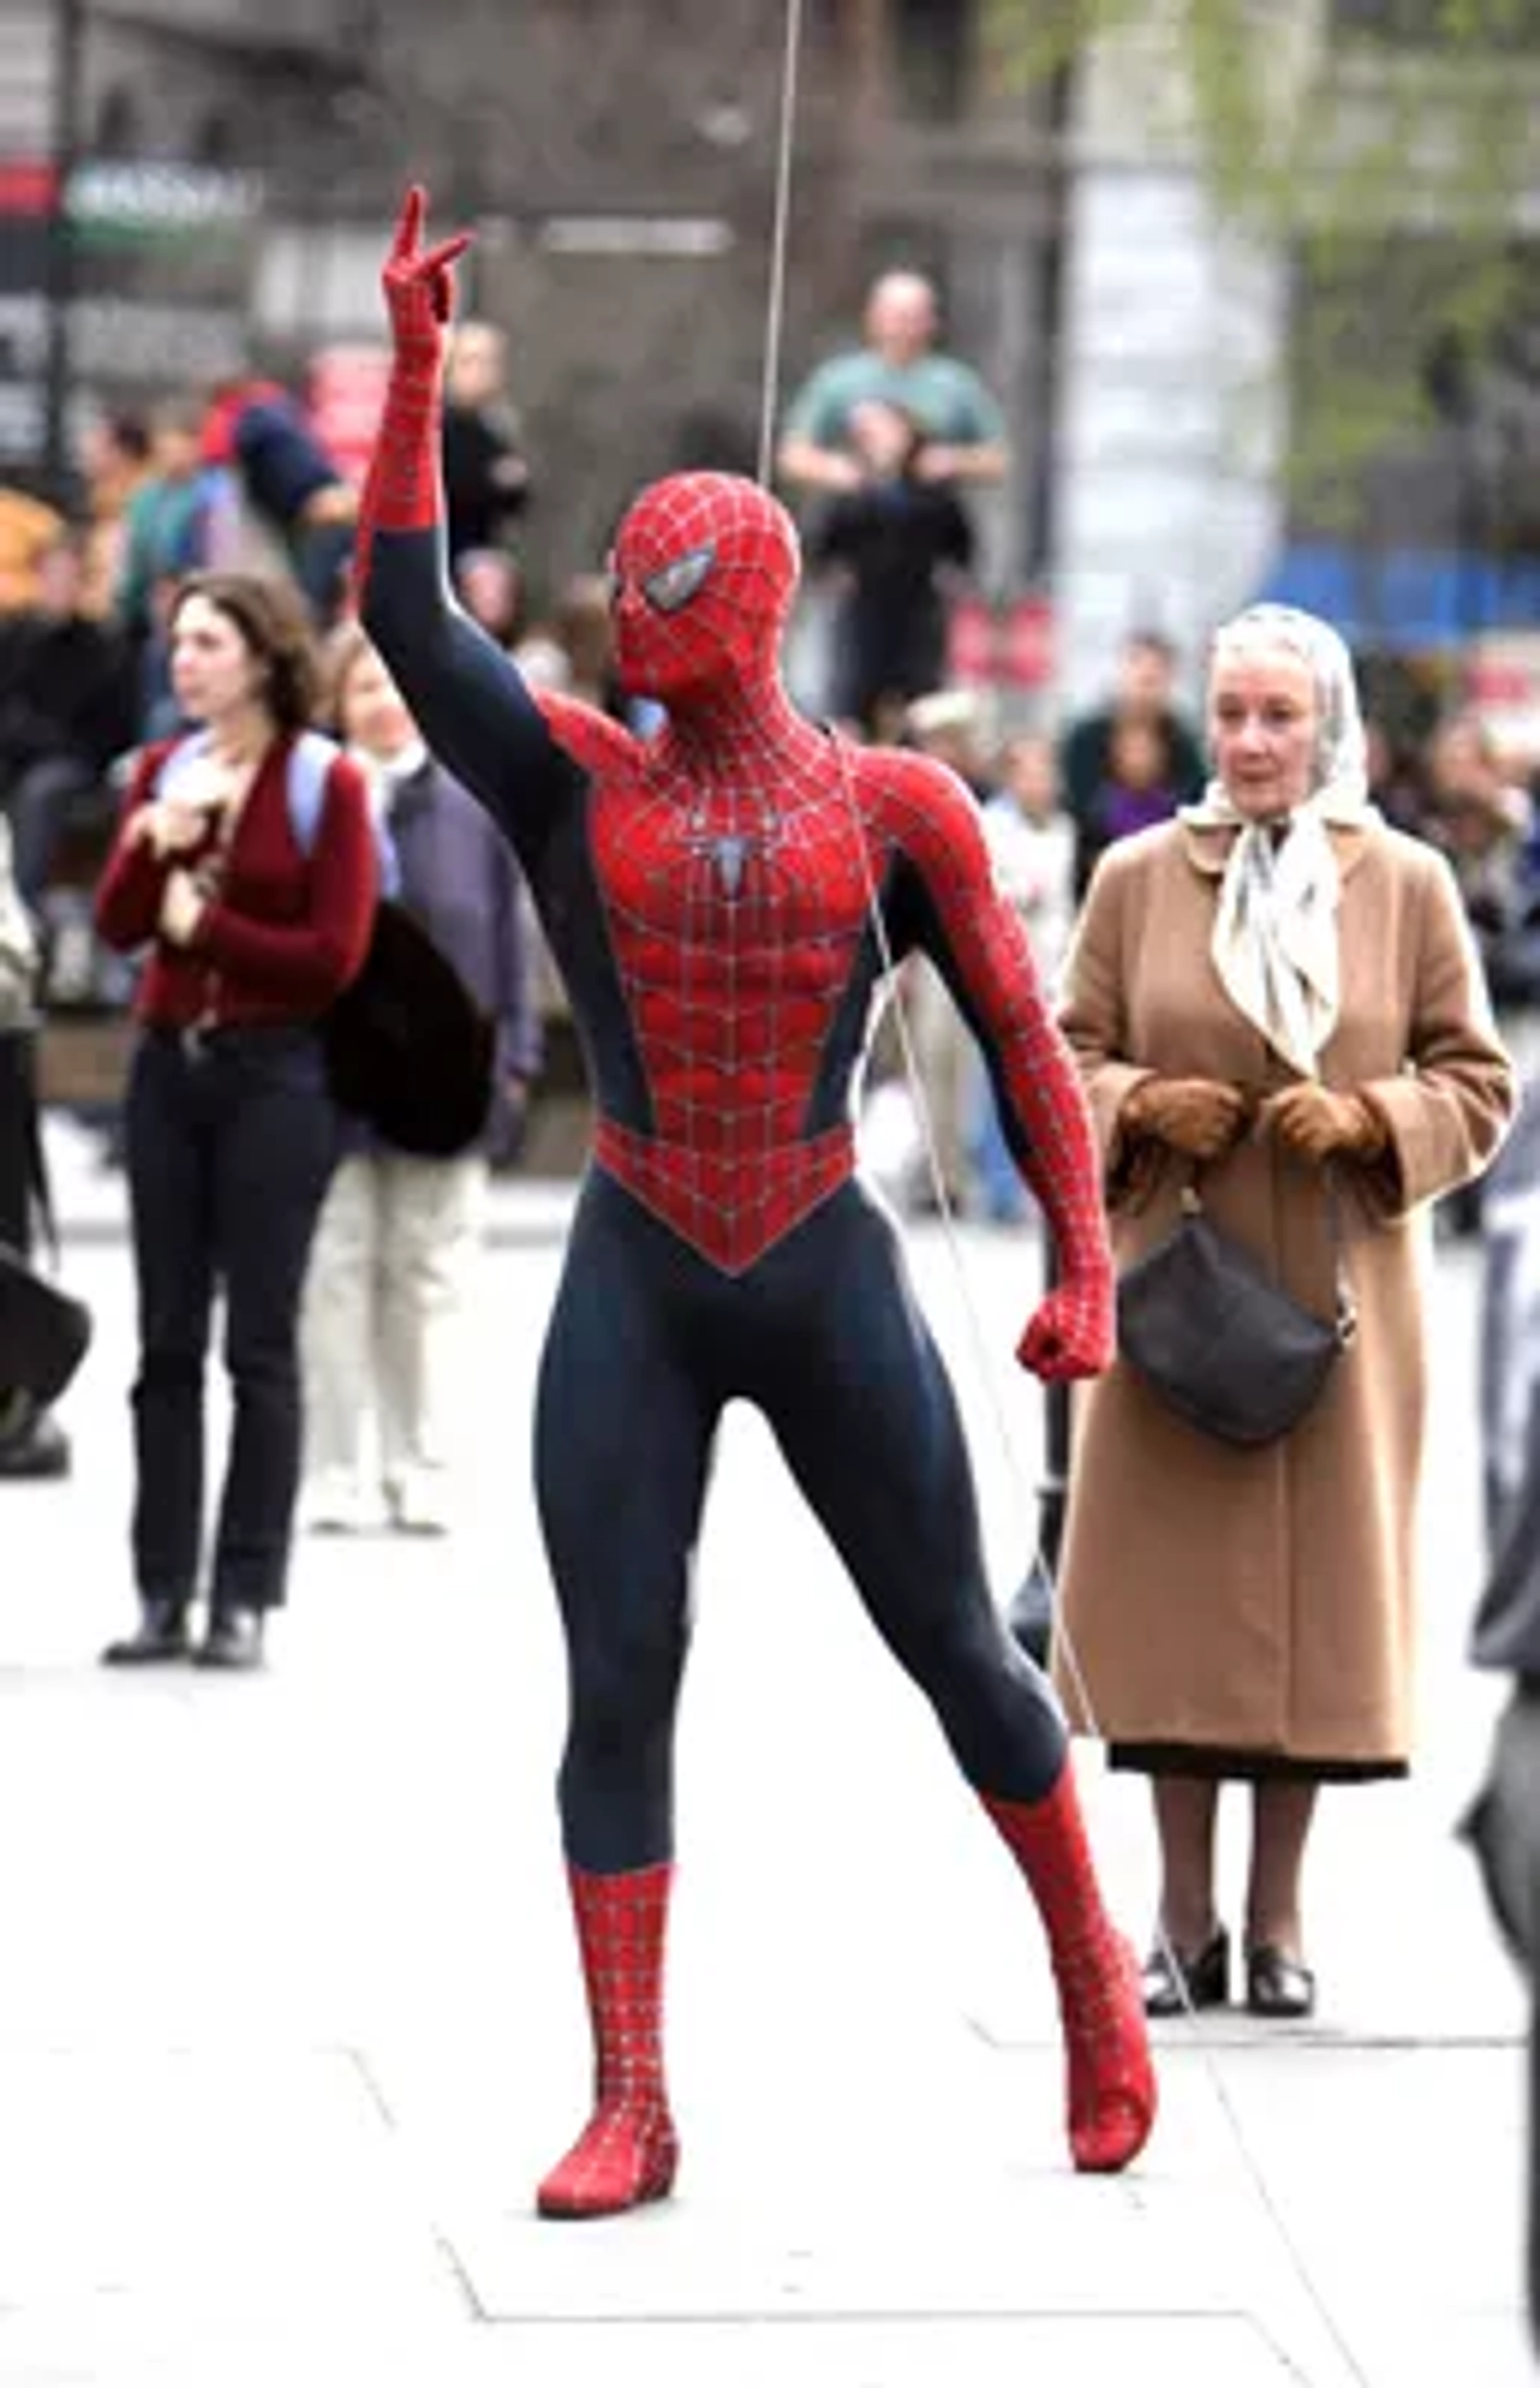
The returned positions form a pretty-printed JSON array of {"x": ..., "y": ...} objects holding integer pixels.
[{"x": 1274, "y": 986}]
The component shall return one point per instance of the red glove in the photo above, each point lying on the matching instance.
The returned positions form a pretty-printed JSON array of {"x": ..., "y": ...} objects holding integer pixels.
[
  {"x": 419, "y": 286},
  {"x": 1311, "y": 1121},
  {"x": 402, "y": 490},
  {"x": 1070, "y": 1334}
]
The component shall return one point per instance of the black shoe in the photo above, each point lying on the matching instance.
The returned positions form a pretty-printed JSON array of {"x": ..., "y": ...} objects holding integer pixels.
[
  {"x": 234, "y": 1639},
  {"x": 42, "y": 1453},
  {"x": 1278, "y": 1985},
  {"x": 1173, "y": 1983},
  {"x": 159, "y": 1637}
]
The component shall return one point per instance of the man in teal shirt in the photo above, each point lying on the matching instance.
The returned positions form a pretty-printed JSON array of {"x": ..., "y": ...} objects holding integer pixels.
[{"x": 965, "y": 439}]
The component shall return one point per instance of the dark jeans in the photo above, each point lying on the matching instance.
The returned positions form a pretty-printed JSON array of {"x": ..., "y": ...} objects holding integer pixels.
[
  {"x": 230, "y": 1144},
  {"x": 17, "y": 1134}
]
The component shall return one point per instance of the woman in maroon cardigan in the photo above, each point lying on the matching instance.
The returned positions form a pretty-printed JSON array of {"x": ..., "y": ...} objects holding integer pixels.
[{"x": 255, "y": 919}]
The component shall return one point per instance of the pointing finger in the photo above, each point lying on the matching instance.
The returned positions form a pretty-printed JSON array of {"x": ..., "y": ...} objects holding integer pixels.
[{"x": 409, "y": 223}]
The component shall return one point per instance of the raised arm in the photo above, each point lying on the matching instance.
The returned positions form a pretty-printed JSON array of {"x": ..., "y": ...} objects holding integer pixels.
[
  {"x": 465, "y": 695},
  {"x": 943, "y": 899}
]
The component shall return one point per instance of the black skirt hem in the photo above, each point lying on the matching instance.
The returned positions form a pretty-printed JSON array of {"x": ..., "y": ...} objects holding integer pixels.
[{"x": 1248, "y": 1765}]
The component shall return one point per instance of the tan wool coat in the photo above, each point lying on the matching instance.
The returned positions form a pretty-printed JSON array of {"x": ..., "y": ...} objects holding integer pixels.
[{"x": 1263, "y": 1601}]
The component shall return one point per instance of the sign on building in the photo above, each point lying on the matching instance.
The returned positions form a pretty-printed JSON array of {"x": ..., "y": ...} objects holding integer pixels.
[{"x": 160, "y": 270}]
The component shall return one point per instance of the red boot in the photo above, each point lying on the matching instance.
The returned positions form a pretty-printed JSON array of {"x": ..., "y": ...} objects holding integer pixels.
[
  {"x": 1111, "y": 2082},
  {"x": 628, "y": 2151}
]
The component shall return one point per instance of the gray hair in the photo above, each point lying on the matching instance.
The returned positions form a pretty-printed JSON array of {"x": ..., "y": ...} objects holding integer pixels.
[{"x": 1342, "y": 752}]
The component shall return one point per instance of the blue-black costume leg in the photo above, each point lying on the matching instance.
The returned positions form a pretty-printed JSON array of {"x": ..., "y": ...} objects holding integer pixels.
[
  {"x": 865, "y": 1415},
  {"x": 623, "y": 1438}
]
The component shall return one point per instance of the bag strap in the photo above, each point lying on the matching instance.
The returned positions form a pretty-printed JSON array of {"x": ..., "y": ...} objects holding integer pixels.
[
  {"x": 310, "y": 759},
  {"x": 42, "y": 1185},
  {"x": 1344, "y": 1301}
]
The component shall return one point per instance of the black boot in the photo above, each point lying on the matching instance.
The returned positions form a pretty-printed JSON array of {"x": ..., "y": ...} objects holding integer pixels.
[
  {"x": 159, "y": 1637},
  {"x": 234, "y": 1639}
]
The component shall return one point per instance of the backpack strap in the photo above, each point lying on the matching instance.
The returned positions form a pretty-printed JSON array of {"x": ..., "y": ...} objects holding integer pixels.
[
  {"x": 178, "y": 760},
  {"x": 310, "y": 761},
  {"x": 40, "y": 1184}
]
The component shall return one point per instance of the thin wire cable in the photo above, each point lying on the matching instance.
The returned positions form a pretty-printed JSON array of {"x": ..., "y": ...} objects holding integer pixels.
[
  {"x": 770, "y": 401},
  {"x": 1028, "y": 1520},
  {"x": 775, "y": 303}
]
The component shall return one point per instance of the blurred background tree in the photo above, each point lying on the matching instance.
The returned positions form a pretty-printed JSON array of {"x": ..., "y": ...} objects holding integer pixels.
[{"x": 1390, "y": 148}]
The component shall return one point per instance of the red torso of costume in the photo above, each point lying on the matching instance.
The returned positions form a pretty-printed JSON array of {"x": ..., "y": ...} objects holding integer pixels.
[{"x": 735, "y": 915}]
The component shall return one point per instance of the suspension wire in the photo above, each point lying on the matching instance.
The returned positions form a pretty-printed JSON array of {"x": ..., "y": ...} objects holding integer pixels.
[
  {"x": 983, "y": 1349},
  {"x": 775, "y": 303}
]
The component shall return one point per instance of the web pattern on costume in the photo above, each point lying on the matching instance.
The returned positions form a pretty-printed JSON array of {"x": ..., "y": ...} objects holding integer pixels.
[
  {"x": 737, "y": 856},
  {"x": 734, "y": 884}
]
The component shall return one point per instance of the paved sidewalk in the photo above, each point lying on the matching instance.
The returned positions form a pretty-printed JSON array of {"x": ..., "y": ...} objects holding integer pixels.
[{"x": 289, "y": 2023}]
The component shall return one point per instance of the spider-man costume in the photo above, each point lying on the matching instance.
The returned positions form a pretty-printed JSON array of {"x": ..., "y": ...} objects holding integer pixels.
[{"x": 712, "y": 896}]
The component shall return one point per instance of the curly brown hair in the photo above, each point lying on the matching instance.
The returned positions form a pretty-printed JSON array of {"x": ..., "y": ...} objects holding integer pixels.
[{"x": 273, "y": 619}]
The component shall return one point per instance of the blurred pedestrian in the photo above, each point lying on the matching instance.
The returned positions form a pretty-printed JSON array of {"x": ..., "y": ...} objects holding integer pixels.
[
  {"x": 169, "y": 532},
  {"x": 486, "y": 471},
  {"x": 115, "y": 464},
  {"x": 279, "y": 501},
  {"x": 491, "y": 586},
  {"x": 1274, "y": 995},
  {"x": 1482, "y": 819},
  {"x": 901, "y": 365},
  {"x": 390, "y": 1291},
  {"x": 33, "y": 1443},
  {"x": 67, "y": 711},
  {"x": 837, "y": 446},
  {"x": 1032, "y": 842},
  {"x": 951, "y": 727},
  {"x": 28, "y": 530},
  {"x": 1144, "y": 693},
  {"x": 252, "y": 928},
  {"x": 894, "y": 546},
  {"x": 1139, "y": 787}
]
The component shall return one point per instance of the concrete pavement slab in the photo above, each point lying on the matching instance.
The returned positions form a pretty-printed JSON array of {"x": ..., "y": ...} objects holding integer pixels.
[{"x": 289, "y": 2022}]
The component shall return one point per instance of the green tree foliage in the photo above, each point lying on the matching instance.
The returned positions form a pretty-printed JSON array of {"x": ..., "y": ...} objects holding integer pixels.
[{"x": 1385, "y": 147}]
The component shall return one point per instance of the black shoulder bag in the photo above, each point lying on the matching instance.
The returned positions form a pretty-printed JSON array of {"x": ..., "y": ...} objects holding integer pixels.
[{"x": 1218, "y": 1341}]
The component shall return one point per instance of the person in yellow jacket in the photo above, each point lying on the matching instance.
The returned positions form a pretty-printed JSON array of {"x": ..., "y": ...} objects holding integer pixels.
[{"x": 28, "y": 529}]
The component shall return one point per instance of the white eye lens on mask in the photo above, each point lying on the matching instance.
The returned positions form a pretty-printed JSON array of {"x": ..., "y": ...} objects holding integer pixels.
[{"x": 674, "y": 584}]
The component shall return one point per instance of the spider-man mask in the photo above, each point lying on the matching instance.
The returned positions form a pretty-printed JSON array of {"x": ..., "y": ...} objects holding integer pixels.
[{"x": 706, "y": 566}]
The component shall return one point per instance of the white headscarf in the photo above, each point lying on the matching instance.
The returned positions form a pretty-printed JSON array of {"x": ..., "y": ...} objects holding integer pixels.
[{"x": 1275, "y": 938}]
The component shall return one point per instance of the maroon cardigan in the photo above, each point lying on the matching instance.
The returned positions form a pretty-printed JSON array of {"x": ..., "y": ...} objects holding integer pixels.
[{"x": 287, "y": 932}]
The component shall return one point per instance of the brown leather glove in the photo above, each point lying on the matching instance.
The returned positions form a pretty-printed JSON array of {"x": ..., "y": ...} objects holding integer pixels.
[
  {"x": 1311, "y": 1121},
  {"x": 1195, "y": 1116}
]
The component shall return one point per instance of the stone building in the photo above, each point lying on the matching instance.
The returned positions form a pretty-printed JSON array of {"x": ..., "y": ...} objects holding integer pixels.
[{"x": 619, "y": 166}]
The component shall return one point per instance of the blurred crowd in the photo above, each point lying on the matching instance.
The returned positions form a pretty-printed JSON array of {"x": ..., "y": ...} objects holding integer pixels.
[{"x": 886, "y": 451}]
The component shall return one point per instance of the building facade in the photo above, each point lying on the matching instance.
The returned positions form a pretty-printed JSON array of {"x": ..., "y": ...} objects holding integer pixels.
[{"x": 235, "y": 174}]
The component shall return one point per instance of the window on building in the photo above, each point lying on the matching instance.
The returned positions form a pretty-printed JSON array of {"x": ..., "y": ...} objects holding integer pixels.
[
  {"x": 120, "y": 125},
  {"x": 1431, "y": 24},
  {"x": 934, "y": 48},
  {"x": 214, "y": 142}
]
